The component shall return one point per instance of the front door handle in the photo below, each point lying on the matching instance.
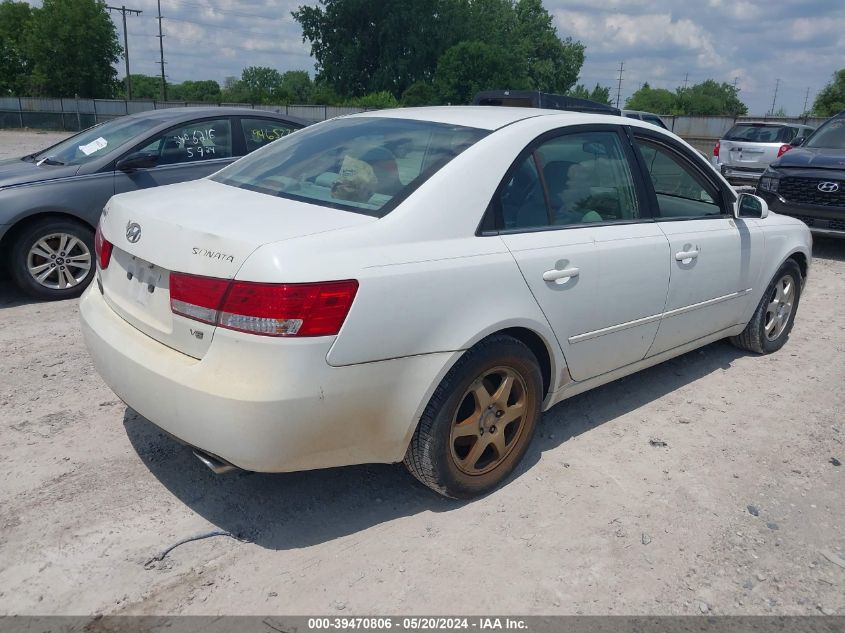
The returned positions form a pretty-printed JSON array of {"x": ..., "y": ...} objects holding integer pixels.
[
  {"x": 683, "y": 256},
  {"x": 560, "y": 276}
]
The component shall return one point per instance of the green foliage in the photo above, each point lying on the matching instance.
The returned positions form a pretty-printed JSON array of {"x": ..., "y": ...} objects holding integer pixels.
[
  {"x": 657, "y": 100},
  {"x": 470, "y": 67},
  {"x": 375, "y": 100},
  {"x": 831, "y": 99},
  {"x": 206, "y": 90},
  {"x": 72, "y": 46},
  {"x": 365, "y": 46},
  {"x": 295, "y": 87},
  {"x": 710, "y": 97},
  {"x": 260, "y": 83},
  {"x": 143, "y": 87},
  {"x": 419, "y": 93},
  {"x": 15, "y": 19},
  {"x": 600, "y": 93},
  {"x": 705, "y": 98}
]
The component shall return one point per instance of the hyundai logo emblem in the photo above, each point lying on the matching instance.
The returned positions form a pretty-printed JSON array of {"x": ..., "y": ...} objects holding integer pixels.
[
  {"x": 829, "y": 187},
  {"x": 133, "y": 232}
]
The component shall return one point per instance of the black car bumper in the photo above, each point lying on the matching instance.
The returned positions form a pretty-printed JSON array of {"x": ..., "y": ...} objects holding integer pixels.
[{"x": 828, "y": 221}]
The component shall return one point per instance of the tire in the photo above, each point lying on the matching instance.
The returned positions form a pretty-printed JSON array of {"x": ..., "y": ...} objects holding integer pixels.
[
  {"x": 42, "y": 265},
  {"x": 769, "y": 327},
  {"x": 467, "y": 460}
]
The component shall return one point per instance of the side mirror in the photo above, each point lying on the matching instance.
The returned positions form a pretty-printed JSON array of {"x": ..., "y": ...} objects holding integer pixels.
[
  {"x": 750, "y": 206},
  {"x": 137, "y": 160},
  {"x": 798, "y": 141}
]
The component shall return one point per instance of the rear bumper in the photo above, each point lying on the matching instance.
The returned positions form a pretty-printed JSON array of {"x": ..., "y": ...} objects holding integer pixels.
[
  {"x": 740, "y": 175},
  {"x": 827, "y": 221},
  {"x": 263, "y": 404}
]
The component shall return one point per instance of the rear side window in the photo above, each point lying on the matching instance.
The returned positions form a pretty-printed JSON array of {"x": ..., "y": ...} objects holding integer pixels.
[
  {"x": 570, "y": 180},
  {"x": 649, "y": 118},
  {"x": 261, "y": 132},
  {"x": 362, "y": 164}
]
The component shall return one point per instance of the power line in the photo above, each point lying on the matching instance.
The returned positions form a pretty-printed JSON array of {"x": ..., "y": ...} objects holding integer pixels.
[
  {"x": 124, "y": 11},
  {"x": 161, "y": 50},
  {"x": 619, "y": 85}
]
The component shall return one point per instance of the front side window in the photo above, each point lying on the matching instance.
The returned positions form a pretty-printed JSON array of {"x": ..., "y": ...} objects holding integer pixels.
[
  {"x": 681, "y": 191},
  {"x": 192, "y": 142},
  {"x": 261, "y": 132},
  {"x": 362, "y": 164},
  {"x": 585, "y": 179}
]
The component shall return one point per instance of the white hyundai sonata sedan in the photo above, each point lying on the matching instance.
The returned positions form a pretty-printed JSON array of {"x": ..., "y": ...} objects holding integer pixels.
[{"x": 418, "y": 285}]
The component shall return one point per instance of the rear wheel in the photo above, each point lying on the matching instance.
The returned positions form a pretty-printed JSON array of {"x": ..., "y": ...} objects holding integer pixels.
[
  {"x": 480, "y": 420},
  {"x": 769, "y": 327},
  {"x": 53, "y": 259}
]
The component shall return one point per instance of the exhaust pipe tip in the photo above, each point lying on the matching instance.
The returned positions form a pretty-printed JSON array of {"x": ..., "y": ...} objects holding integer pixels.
[{"x": 215, "y": 464}]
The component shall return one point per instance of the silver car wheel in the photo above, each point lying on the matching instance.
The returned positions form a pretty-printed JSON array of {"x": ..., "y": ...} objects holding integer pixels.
[
  {"x": 59, "y": 261},
  {"x": 780, "y": 307}
]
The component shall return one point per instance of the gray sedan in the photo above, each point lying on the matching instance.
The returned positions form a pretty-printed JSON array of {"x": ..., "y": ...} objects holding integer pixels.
[{"x": 50, "y": 201}]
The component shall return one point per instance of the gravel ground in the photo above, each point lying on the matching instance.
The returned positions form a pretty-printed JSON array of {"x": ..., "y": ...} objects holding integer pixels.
[
  {"x": 740, "y": 513},
  {"x": 14, "y": 143}
]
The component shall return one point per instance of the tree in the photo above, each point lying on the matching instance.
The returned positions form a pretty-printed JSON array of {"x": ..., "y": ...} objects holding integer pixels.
[
  {"x": 206, "y": 90},
  {"x": 260, "y": 83},
  {"x": 420, "y": 93},
  {"x": 657, "y": 100},
  {"x": 377, "y": 100},
  {"x": 73, "y": 46},
  {"x": 710, "y": 97},
  {"x": 599, "y": 93},
  {"x": 143, "y": 87},
  {"x": 295, "y": 87},
  {"x": 364, "y": 46},
  {"x": 553, "y": 64},
  {"x": 831, "y": 99},
  {"x": 470, "y": 67},
  {"x": 14, "y": 58}
]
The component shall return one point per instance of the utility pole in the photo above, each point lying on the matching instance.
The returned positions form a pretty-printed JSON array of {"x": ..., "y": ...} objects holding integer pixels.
[
  {"x": 686, "y": 79},
  {"x": 736, "y": 79},
  {"x": 124, "y": 11},
  {"x": 806, "y": 100},
  {"x": 161, "y": 50},
  {"x": 775, "y": 98},
  {"x": 619, "y": 85}
]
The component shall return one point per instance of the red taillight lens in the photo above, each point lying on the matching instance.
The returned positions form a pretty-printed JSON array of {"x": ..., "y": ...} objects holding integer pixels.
[
  {"x": 197, "y": 297},
  {"x": 716, "y": 148},
  {"x": 102, "y": 248},
  {"x": 317, "y": 309},
  {"x": 783, "y": 150}
]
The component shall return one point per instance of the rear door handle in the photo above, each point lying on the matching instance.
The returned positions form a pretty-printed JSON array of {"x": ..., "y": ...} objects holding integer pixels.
[
  {"x": 685, "y": 255},
  {"x": 560, "y": 276}
]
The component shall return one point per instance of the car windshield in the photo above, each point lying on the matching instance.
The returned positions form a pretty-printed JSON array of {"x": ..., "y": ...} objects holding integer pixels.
[
  {"x": 756, "y": 133},
  {"x": 830, "y": 135},
  {"x": 94, "y": 142},
  {"x": 362, "y": 164}
]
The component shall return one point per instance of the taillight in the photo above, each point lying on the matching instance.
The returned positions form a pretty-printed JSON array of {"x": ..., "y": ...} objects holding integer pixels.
[
  {"x": 102, "y": 248},
  {"x": 716, "y": 149},
  {"x": 317, "y": 309},
  {"x": 196, "y": 297},
  {"x": 783, "y": 150}
]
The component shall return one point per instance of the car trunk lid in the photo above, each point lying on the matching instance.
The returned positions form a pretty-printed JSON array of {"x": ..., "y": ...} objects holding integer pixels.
[
  {"x": 199, "y": 228},
  {"x": 752, "y": 145}
]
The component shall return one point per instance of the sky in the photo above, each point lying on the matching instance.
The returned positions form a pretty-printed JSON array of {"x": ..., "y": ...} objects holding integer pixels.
[{"x": 663, "y": 42}]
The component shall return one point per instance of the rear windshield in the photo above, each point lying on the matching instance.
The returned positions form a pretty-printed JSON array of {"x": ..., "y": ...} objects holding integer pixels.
[
  {"x": 830, "y": 135},
  {"x": 761, "y": 133},
  {"x": 362, "y": 164}
]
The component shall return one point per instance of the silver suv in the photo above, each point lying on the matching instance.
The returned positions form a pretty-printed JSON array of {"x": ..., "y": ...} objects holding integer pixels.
[{"x": 745, "y": 151}]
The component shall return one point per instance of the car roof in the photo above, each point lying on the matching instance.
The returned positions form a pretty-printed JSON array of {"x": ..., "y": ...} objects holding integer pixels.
[
  {"x": 770, "y": 123},
  {"x": 179, "y": 113},
  {"x": 487, "y": 117}
]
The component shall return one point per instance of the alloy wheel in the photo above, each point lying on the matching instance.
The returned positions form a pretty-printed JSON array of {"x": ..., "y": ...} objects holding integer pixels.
[
  {"x": 489, "y": 421},
  {"x": 780, "y": 307},
  {"x": 59, "y": 261}
]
